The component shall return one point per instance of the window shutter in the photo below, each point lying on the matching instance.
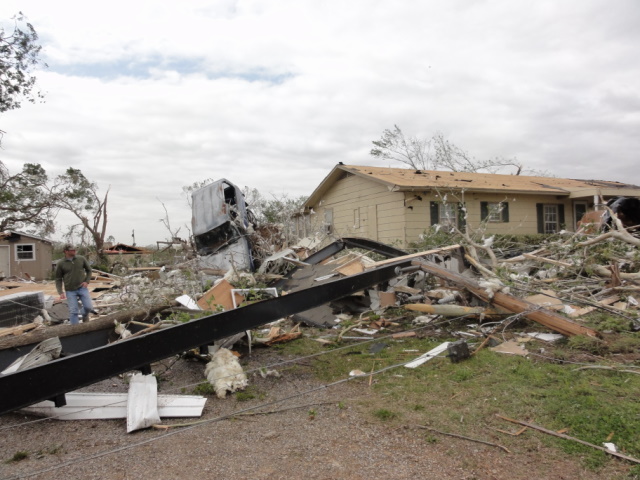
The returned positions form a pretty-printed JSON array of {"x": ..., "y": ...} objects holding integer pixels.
[
  {"x": 434, "y": 213},
  {"x": 560, "y": 216},
  {"x": 540, "y": 214},
  {"x": 484, "y": 211},
  {"x": 505, "y": 212}
]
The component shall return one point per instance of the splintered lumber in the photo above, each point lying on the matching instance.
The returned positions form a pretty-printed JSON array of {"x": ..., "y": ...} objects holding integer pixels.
[
  {"x": 18, "y": 330},
  {"x": 604, "y": 302},
  {"x": 452, "y": 310},
  {"x": 567, "y": 437},
  {"x": 414, "y": 255},
  {"x": 61, "y": 331},
  {"x": 529, "y": 310}
]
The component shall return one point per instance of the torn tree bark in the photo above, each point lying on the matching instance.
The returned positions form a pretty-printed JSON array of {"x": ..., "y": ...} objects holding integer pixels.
[{"x": 531, "y": 311}]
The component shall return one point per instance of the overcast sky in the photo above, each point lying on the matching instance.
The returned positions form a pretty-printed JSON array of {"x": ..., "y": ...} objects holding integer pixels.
[{"x": 149, "y": 96}]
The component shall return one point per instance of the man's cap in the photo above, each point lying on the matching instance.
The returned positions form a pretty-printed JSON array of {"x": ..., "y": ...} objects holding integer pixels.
[{"x": 68, "y": 247}]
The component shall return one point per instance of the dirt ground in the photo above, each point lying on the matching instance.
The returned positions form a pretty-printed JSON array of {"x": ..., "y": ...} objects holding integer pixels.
[{"x": 328, "y": 437}]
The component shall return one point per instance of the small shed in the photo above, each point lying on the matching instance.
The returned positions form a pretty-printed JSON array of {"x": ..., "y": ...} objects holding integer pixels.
[{"x": 25, "y": 255}]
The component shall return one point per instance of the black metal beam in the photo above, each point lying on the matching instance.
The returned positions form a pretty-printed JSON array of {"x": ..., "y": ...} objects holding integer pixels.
[
  {"x": 324, "y": 253},
  {"x": 373, "y": 246},
  {"x": 58, "y": 377},
  {"x": 354, "y": 242}
]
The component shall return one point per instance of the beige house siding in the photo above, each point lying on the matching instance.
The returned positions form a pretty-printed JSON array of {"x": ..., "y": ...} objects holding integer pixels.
[
  {"x": 38, "y": 268},
  {"x": 522, "y": 212},
  {"x": 361, "y": 208}
]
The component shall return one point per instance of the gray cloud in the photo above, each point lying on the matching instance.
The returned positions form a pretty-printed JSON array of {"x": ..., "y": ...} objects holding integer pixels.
[{"x": 272, "y": 95}]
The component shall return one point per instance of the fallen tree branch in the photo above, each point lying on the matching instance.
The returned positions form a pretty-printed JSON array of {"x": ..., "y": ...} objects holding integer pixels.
[
  {"x": 61, "y": 331},
  {"x": 567, "y": 437},
  {"x": 603, "y": 367},
  {"x": 533, "y": 312},
  {"x": 455, "y": 435}
]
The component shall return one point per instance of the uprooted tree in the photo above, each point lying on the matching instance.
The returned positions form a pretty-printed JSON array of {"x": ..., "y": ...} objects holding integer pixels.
[{"x": 436, "y": 153}]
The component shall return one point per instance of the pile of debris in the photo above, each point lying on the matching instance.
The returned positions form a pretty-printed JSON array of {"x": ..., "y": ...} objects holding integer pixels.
[{"x": 351, "y": 289}]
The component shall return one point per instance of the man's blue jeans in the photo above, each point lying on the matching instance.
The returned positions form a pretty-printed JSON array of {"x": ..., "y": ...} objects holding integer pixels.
[{"x": 73, "y": 296}]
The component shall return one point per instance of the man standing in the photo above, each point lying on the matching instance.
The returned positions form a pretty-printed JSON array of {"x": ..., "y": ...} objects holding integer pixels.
[{"x": 74, "y": 271}]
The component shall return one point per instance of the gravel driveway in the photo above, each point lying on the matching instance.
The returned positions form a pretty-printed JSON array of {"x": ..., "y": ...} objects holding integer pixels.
[{"x": 330, "y": 436}]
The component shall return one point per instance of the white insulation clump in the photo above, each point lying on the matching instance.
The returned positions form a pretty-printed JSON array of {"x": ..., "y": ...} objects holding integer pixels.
[{"x": 225, "y": 373}]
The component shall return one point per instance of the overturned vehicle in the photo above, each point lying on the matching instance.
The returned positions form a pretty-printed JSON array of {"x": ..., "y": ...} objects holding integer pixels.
[{"x": 221, "y": 225}]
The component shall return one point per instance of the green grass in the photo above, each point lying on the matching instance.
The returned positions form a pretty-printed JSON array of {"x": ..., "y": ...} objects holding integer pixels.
[
  {"x": 18, "y": 456},
  {"x": 465, "y": 397}
]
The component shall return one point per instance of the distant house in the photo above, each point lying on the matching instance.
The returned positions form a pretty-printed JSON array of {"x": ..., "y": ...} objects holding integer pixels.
[
  {"x": 25, "y": 255},
  {"x": 123, "y": 249},
  {"x": 397, "y": 205}
]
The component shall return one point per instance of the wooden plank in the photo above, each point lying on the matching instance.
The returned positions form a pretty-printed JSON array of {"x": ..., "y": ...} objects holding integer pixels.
[
  {"x": 219, "y": 294},
  {"x": 605, "y": 301},
  {"x": 20, "y": 329},
  {"x": 414, "y": 255},
  {"x": 351, "y": 267}
]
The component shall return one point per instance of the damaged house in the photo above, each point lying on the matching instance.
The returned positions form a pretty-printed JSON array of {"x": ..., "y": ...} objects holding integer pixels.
[
  {"x": 24, "y": 255},
  {"x": 398, "y": 204}
]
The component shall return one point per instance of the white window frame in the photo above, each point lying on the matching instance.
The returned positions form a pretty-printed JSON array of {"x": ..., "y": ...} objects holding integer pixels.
[
  {"x": 551, "y": 218},
  {"x": 448, "y": 214},
  {"x": 33, "y": 252},
  {"x": 494, "y": 212}
]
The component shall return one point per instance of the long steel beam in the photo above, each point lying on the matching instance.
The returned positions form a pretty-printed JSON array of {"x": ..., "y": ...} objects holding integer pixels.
[{"x": 66, "y": 374}]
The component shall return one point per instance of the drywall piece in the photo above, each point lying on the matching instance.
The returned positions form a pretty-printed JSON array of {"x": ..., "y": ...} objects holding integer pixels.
[
  {"x": 105, "y": 406},
  {"x": 511, "y": 347},
  {"x": 547, "y": 337},
  {"x": 188, "y": 302},
  {"x": 428, "y": 356},
  {"x": 142, "y": 402}
]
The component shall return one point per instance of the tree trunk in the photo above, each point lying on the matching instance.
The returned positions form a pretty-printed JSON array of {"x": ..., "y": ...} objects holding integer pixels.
[{"x": 61, "y": 331}]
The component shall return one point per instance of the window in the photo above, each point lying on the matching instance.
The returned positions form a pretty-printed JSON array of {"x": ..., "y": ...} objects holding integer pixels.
[
  {"x": 447, "y": 214},
  {"x": 328, "y": 220},
  {"x": 494, "y": 212},
  {"x": 26, "y": 252},
  {"x": 356, "y": 218},
  {"x": 550, "y": 217}
]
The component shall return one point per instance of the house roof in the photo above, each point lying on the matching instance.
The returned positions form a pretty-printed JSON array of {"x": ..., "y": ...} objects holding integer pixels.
[
  {"x": 122, "y": 248},
  {"x": 12, "y": 234},
  {"x": 404, "y": 179}
]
